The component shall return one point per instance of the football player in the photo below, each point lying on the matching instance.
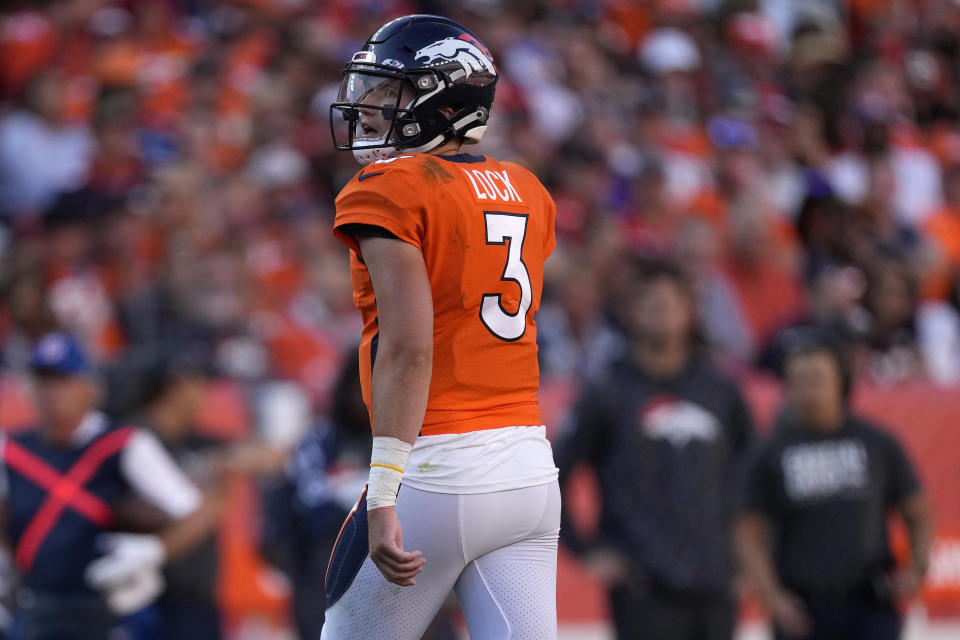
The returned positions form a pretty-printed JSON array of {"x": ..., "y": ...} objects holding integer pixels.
[{"x": 447, "y": 252}]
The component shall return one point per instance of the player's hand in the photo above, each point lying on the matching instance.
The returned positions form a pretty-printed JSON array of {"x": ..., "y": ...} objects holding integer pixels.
[
  {"x": 789, "y": 613},
  {"x": 386, "y": 548},
  {"x": 609, "y": 566}
]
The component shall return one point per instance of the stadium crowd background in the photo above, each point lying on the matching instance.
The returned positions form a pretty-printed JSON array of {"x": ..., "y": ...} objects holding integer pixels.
[{"x": 167, "y": 181}]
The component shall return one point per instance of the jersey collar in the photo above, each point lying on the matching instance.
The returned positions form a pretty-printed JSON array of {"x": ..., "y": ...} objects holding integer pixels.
[{"x": 464, "y": 157}]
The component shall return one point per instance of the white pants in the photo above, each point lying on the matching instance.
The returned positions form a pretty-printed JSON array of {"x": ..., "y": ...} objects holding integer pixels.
[{"x": 497, "y": 551}]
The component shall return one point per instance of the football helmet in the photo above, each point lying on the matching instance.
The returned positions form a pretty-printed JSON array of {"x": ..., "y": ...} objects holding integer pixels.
[{"x": 418, "y": 82}]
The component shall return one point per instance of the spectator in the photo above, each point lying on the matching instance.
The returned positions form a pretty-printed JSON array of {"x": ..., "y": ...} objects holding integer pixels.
[
  {"x": 891, "y": 301},
  {"x": 759, "y": 266},
  {"x": 30, "y": 318},
  {"x": 822, "y": 486},
  {"x": 719, "y": 311},
  {"x": 665, "y": 432},
  {"x": 938, "y": 336},
  {"x": 40, "y": 153},
  {"x": 305, "y": 508},
  {"x": 942, "y": 230},
  {"x": 879, "y": 229},
  {"x": 834, "y": 305},
  {"x": 574, "y": 337}
]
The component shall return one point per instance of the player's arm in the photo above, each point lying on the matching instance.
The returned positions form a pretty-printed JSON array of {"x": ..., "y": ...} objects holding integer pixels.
[
  {"x": 401, "y": 373},
  {"x": 401, "y": 383}
]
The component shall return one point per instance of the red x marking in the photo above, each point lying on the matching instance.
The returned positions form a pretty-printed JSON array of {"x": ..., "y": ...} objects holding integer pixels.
[{"x": 64, "y": 489}]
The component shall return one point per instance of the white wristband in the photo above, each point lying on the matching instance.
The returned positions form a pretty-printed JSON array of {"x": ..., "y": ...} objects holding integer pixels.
[{"x": 387, "y": 461}]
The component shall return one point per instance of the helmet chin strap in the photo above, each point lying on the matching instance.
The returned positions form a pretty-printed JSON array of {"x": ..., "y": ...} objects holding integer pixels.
[
  {"x": 472, "y": 136},
  {"x": 370, "y": 155}
]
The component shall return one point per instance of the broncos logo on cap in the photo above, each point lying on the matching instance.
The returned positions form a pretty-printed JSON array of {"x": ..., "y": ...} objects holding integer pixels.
[{"x": 467, "y": 54}]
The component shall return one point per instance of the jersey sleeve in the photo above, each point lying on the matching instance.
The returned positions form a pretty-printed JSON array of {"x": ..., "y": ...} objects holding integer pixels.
[{"x": 387, "y": 198}]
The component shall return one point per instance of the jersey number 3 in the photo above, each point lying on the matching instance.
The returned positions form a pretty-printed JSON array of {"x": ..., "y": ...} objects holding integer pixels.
[{"x": 501, "y": 323}]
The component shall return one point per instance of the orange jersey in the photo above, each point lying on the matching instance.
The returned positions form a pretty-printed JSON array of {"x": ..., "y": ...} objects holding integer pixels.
[{"x": 485, "y": 229}]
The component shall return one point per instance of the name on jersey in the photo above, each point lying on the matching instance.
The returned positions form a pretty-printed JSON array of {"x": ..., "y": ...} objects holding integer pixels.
[{"x": 492, "y": 185}]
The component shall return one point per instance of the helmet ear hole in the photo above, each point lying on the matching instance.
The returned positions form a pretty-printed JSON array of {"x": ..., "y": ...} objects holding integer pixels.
[{"x": 426, "y": 82}]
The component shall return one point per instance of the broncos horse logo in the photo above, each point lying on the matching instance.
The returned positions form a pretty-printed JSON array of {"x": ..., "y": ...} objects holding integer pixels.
[{"x": 456, "y": 50}]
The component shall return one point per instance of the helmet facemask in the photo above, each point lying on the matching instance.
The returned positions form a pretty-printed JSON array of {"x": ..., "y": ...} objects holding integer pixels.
[{"x": 372, "y": 114}]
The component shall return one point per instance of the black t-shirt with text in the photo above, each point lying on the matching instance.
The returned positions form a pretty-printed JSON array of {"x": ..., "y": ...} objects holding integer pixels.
[{"x": 827, "y": 496}]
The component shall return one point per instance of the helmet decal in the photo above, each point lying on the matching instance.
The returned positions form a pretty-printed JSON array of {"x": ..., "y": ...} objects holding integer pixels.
[
  {"x": 469, "y": 38},
  {"x": 471, "y": 57},
  {"x": 365, "y": 56}
]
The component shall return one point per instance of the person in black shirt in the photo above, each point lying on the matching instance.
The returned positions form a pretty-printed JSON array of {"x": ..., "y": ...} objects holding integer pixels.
[
  {"x": 666, "y": 433},
  {"x": 820, "y": 489}
]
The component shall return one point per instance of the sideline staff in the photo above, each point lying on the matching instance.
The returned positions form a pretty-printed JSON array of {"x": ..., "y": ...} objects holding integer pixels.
[
  {"x": 60, "y": 486},
  {"x": 823, "y": 485},
  {"x": 668, "y": 435}
]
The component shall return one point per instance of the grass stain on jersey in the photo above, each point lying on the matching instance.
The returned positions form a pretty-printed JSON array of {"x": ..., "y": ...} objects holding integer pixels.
[
  {"x": 434, "y": 172},
  {"x": 461, "y": 238}
]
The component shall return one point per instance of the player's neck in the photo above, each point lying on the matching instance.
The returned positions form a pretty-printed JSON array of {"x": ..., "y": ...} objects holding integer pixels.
[{"x": 449, "y": 148}]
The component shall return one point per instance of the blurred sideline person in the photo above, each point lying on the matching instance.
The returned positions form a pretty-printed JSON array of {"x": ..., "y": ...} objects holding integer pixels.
[
  {"x": 820, "y": 489},
  {"x": 447, "y": 254},
  {"x": 62, "y": 486},
  {"x": 303, "y": 512},
  {"x": 667, "y": 435},
  {"x": 174, "y": 395}
]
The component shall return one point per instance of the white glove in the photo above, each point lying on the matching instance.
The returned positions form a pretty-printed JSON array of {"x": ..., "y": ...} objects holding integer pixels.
[
  {"x": 135, "y": 593},
  {"x": 129, "y": 573}
]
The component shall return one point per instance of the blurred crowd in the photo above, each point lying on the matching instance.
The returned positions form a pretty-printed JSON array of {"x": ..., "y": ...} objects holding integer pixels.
[
  {"x": 167, "y": 178},
  {"x": 167, "y": 182}
]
